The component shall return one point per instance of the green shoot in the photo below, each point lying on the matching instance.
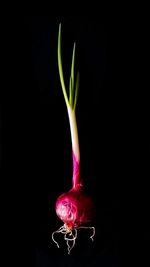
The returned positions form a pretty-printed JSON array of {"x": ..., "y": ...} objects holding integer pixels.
[
  {"x": 76, "y": 91},
  {"x": 73, "y": 89},
  {"x": 60, "y": 67}
]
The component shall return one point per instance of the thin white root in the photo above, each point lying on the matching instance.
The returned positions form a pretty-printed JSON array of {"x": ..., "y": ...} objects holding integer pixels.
[
  {"x": 54, "y": 239},
  {"x": 69, "y": 236},
  {"x": 71, "y": 239},
  {"x": 86, "y": 227},
  {"x": 57, "y": 231}
]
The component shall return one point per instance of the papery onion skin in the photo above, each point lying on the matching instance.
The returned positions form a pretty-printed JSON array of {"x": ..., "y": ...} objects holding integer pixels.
[{"x": 75, "y": 208}]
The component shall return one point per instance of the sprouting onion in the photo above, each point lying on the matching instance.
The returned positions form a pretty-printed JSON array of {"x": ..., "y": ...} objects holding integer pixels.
[{"x": 74, "y": 208}]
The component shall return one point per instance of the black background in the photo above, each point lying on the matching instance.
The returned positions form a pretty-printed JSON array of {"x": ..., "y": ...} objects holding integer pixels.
[{"x": 36, "y": 145}]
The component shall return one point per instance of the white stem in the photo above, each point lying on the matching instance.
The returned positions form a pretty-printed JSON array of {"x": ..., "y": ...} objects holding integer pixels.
[{"x": 74, "y": 132}]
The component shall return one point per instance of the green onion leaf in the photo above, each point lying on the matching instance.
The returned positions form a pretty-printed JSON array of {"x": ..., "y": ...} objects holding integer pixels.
[
  {"x": 70, "y": 93},
  {"x": 60, "y": 67},
  {"x": 71, "y": 97},
  {"x": 76, "y": 90}
]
